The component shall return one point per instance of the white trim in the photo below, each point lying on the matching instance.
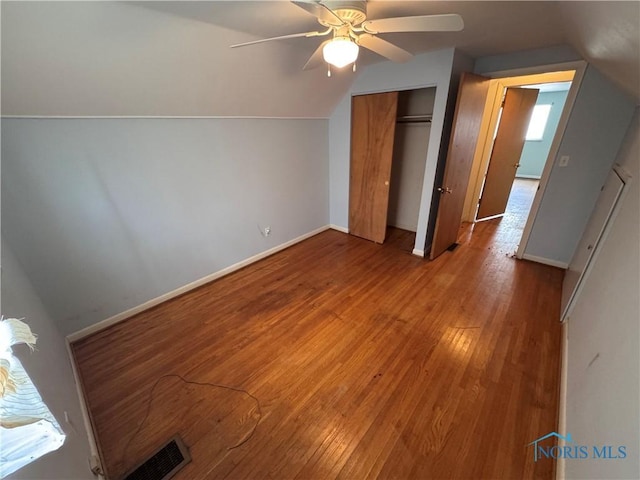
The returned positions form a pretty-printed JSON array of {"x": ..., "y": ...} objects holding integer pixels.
[
  {"x": 545, "y": 261},
  {"x": 580, "y": 69},
  {"x": 86, "y": 419},
  {"x": 154, "y": 117},
  {"x": 492, "y": 217},
  {"x": 96, "y": 327},
  {"x": 418, "y": 253},
  {"x": 528, "y": 177},
  {"x": 339, "y": 228},
  {"x": 562, "y": 406}
]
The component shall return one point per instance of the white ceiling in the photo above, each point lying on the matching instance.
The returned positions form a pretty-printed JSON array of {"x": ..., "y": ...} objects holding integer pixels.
[{"x": 173, "y": 58}]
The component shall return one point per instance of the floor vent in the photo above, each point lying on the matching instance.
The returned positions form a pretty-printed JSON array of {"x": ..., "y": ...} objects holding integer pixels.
[{"x": 163, "y": 464}]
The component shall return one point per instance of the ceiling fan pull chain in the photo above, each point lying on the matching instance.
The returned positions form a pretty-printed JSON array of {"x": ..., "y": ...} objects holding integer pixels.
[{"x": 328, "y": 69}]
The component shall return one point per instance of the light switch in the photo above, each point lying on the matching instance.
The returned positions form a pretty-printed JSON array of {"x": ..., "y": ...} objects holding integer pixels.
[{"x": 564, "y": 161}]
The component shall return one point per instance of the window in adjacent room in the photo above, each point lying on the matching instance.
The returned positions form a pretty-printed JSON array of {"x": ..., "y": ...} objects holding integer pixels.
[{"x": 538, "y": 121}]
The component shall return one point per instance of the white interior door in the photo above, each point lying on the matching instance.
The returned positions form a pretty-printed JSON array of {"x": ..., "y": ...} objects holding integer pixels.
[{"x": 586, "y": 252}]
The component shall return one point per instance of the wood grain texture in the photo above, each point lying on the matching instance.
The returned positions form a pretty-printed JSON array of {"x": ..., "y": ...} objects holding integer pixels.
[
  {"x": 373, "y": 123},
  {"x": 470, "y": 103},
  {"x": 368, "y": 362},
  {"x": 507, "y": 149}
]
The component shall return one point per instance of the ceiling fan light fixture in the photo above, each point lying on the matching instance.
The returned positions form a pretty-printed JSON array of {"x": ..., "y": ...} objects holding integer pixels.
[{"x": 340, "y": 52}]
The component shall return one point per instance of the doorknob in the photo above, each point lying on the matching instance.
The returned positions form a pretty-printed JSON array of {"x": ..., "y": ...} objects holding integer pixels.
[
  {"x": 386, "y": 183},
  {"x": 444, "y": 189},
  {"x": 517, "y": 165}
]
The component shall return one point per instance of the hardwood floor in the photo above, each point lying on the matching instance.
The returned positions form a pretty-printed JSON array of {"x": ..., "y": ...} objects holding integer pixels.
[
  {"x": 509, "y": 227},
  {"x": 366, "y": 362},
  {"x": 520, "y": 200}
]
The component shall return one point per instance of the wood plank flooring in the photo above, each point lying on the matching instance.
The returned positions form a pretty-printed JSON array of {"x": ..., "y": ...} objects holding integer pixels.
[{"x": 366, "y": 361}]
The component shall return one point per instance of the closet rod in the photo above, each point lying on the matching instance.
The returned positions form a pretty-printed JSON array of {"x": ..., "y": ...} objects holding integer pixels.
[{"x": 414, "y": 119}]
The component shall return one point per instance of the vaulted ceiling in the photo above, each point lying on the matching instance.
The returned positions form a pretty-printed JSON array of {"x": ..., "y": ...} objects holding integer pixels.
[{"x": 173, "y": 58}]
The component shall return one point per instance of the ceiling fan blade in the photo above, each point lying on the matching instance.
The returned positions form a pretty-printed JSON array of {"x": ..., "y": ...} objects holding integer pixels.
[
  {"x": 316, "y": 59},
  {"x": 321, "y": 12},
  {"x": 422, "y": 23},
  {"x": 283, "y": 37},
  {"x": 384, "y": 48}
]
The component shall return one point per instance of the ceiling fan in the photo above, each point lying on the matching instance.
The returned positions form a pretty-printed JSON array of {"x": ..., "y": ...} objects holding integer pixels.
[{"x": 346, "y": 22}]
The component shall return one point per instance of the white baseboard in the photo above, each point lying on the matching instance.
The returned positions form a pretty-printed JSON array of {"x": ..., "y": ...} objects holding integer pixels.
[
  {"x": 545, "y": 261},
  {"x": 562, "y": 404},
  {"x": 96, "y": 458},
  {"x": 96, "y": 327},
  {"x": 339, "y": 228},
  {"x": 419, "y": 253},
  {"x": 532, "y": 177}
]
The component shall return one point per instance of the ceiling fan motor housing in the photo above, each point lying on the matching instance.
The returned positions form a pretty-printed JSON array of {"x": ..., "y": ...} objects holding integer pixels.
[{"x": 353, "y": 12}]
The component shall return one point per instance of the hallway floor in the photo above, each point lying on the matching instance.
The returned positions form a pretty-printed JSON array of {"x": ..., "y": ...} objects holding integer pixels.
[{"x": 511, "y": 225}]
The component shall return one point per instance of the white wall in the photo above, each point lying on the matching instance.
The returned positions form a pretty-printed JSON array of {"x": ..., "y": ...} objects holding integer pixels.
[
  {"x": 526, "y": 59},
  {"x": 106, "y": 214},
  {"x": 407, "y": 174},
  {"x": 426, "y": 70},
  {"x": 599, "y": 119},
  {"x": 603, "y": 404},
  {"x": 160, "y": 58},
  {"x": 409, "y": 155},
  {"x": 49, "y": 368}
]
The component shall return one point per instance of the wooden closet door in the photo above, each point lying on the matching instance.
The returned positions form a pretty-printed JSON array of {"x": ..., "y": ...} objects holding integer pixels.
[{"x": 373, "y": 123}]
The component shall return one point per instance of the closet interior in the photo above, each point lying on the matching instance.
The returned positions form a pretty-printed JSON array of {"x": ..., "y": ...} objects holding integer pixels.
[{"x": 411, "y": 141}]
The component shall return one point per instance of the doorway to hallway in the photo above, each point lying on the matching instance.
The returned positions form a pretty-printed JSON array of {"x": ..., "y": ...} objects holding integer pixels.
[{"x": 510, "y": 165}]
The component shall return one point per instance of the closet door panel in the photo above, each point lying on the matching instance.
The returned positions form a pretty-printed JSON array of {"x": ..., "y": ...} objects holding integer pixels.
[{"x": 373, "y": 121}]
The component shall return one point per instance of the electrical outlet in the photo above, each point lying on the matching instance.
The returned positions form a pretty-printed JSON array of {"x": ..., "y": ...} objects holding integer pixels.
[{"x": 564, "y": 161}]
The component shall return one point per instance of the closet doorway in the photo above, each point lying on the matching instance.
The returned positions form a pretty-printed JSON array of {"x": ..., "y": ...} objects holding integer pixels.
[{"x": 389, "y": 141}]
